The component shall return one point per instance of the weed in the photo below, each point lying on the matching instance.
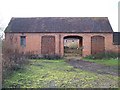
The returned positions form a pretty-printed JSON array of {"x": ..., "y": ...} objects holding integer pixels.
[{"x": 106, "y": 55}]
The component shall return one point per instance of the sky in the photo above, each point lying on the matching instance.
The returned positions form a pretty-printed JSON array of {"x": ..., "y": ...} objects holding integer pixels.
[{"x": 59, "y": 8}]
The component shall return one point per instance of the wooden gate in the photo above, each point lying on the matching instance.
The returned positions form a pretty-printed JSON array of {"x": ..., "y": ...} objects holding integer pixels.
[
  {"x": 48, "y": 45},
  {"x": 97, "y": 44}
]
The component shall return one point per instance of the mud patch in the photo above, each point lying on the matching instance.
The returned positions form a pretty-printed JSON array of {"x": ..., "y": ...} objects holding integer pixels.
[{"x": 93, "y": 67}]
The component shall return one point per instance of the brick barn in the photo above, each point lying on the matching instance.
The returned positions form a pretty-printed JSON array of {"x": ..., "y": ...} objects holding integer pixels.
[{"x": 47, "y": 35}]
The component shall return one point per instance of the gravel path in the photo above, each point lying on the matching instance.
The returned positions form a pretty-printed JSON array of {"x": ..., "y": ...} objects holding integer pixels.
[{"x": 93, "y": 67}]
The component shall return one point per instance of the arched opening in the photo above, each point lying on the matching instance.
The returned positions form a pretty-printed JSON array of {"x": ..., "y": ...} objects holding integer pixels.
[
  {"x": 97, "y": 44},
  {"x": 73, "y": 46}
]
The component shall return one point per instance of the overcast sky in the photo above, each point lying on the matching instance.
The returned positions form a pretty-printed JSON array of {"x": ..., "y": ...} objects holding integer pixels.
[{"x": 59, "y": 8}]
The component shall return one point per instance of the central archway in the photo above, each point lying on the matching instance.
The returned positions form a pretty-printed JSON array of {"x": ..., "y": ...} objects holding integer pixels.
[{"x": 73, "y": 46}]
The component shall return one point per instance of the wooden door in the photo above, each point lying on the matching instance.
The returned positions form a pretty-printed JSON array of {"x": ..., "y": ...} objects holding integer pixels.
[
  {"x": 97, "y": 44},
  {"x": 48, "y": 45}
]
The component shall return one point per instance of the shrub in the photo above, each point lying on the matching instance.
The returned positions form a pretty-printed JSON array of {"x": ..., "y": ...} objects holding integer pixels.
[
  {"x": 52, "y": 57},
  {"x": 32, "y": 55},
  {"x": 106, "y": 55},
  {"x": 12, "y": 59}
]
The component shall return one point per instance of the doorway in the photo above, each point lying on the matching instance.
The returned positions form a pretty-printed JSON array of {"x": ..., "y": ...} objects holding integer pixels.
[
  {"x": 97, "y": 44},
  {"x": 73, "y": 46},
  {"x": 48, "y": 45}
]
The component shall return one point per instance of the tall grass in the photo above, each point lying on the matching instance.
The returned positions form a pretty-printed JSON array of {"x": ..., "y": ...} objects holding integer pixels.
[{"x": 105, "y": 55}]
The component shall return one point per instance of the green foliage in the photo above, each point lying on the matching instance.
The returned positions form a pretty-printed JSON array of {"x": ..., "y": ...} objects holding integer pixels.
[
  {"x": 107, "y": 58},
  {"x": 31, "y": 55},
  {"x": 57, "y": 74},
  {"x": 106, "y": 55},
  {"x": 52, "y": 57},
  {"x": 107, "y": 62}
]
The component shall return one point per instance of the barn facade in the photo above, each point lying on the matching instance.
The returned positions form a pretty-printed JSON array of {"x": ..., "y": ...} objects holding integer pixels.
[{"x": 49, "y": 35}]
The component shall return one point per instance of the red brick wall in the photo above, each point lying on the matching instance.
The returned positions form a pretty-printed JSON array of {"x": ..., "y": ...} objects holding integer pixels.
[{"x": 33, "y": 41}]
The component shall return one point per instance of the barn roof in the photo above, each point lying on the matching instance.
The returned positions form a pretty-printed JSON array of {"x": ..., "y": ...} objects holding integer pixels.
[{"x": 59, "y": 24}]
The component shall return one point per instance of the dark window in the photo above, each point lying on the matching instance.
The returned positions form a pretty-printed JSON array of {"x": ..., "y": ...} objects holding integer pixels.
[
  {"x": 116, "y": 38},
  {"x": 23, "y": 41}
]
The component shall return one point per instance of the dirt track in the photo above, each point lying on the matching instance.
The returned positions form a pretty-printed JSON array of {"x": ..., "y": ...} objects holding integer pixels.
[{"x": 93, "y": 67}]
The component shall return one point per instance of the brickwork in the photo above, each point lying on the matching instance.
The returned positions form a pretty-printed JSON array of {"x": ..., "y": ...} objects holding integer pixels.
[{"x": 33, "y": 41}]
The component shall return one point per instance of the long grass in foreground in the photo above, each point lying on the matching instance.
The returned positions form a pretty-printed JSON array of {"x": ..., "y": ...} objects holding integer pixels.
[
  {"x": 57, "y": 74},
  {"x": 106, "y": 58}
]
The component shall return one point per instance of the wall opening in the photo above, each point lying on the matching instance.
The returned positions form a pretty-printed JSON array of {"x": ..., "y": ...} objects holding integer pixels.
[
  {"x": 73, "y": 46},
  {"x": 48, "y": 45},
  {"x": 97, "y": 44}
]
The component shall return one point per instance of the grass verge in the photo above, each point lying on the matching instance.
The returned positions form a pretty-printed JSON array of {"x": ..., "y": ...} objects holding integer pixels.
[
  {"x": 107, "y": 62},
  {"x": 106, "y": 58}
]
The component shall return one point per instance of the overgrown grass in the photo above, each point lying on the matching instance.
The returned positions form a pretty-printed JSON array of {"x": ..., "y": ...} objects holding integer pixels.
[
  {"x": 57, "y": 74},
  {"x": 107, "y": 58},
  {"x": 106, "y": 55},
  {"x": 107, "y": 62}
]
